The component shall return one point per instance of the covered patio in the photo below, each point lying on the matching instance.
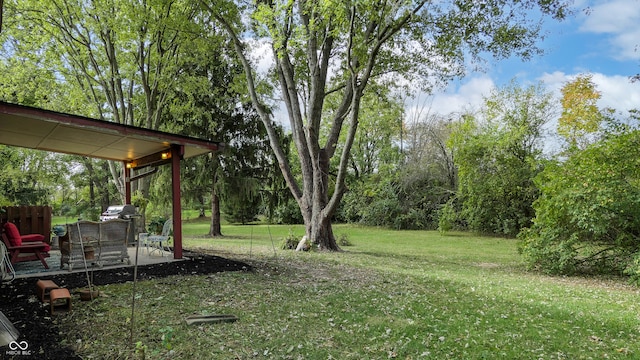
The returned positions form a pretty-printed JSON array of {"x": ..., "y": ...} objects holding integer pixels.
[
  {"x": 136, "y": 148},
  {"x": 34, "y": 269}
]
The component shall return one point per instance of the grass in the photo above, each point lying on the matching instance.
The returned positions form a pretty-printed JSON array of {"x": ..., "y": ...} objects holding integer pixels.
[{"x": 393, "y": 294}]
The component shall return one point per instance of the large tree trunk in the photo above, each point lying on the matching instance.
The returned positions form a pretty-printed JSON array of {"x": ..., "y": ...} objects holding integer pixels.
[
  {"x": 215, "y": 229},
  {"x": 320, "y": 230}
]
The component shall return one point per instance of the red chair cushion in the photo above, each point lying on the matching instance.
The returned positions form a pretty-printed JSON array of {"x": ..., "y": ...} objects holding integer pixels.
[
  {"x": 32, "y": 237},
  {"x": 13, "y": 234},
  {"x": 15, "y": 239}
]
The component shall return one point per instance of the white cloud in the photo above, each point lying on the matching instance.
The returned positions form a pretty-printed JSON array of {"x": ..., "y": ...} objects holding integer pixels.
[
  {"x": 619, "y": 19},
  {"x": 618, "y": 92},
  {"x": 261, "y": 55},
  {"x": 468, "y": 96}
]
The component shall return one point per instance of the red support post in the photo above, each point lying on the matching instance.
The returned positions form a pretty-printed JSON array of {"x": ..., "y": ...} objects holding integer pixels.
[
  {"x": 176, "y": 156},
  {"x": 127, "y": 183}
]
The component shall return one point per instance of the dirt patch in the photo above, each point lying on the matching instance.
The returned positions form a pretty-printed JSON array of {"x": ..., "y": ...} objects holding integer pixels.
[{"x": 19, "y": 304}]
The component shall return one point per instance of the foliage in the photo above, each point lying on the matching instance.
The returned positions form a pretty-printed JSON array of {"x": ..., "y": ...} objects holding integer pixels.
[
  {"x": 139, "y": 201},
  {"x": 373, "y": 202},
  {"x": 405, "y": 199},
  {"x": 290, "y": 242},
  {"x": 156, "y": 224},
  {"x": 140, "y": 350},
  {"x": 25, "y": 78},
  {"x": 378, "y": 203},
  {"x": 167, "y": 337},
  {"x": 427, "y": 154},
  {"x": 588, "y": 214},
  {"x": 123, "y": 74},
  {"x": 375, "y": 148},
  {"x": 448, "y": 217},
  {"x": 241, "y": 199},
  {"x": 580, "y": 113},
  {"x": 343, "y": 240},
  {"x": 287, "y": 213},
  {"x": 29, "y": 177},
  {"x": 241, "y": 177},
  {"x": 86, "y": 212},
  {"x": 408, "y": 195},
  {"x": 498, "y": 159},
  {"x": 90, "y": 181}
]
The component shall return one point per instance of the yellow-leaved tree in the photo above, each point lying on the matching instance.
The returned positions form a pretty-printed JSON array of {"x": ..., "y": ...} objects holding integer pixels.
[{"x": 581, "y": 116}]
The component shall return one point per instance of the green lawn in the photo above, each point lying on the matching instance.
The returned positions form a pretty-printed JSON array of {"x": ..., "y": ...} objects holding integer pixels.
[{"x": 393, "y": 294}]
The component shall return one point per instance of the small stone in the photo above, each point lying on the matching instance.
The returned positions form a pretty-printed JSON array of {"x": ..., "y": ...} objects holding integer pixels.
[{"x": 304, "y": 244}]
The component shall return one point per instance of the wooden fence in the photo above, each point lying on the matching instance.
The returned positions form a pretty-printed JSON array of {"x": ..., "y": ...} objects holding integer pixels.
[{"x": 29, "y": 219}]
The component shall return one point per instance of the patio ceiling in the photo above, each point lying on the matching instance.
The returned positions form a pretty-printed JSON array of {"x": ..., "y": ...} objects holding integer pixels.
[{"x": 34, "y": 128}]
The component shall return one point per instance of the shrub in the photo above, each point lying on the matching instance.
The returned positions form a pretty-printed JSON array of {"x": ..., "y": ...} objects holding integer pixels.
[
  {"x": 290, "y": 242},
  {"x": 447, "y": 218},
  {"x": 288, "y": 213},
  {"x": 343, "y": 240},
  {"x": 156, "y": 224},
  {"x": 588, "y": 215}
]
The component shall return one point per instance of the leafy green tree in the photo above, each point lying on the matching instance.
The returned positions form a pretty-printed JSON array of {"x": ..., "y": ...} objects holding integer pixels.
[
  {"x": 92, "y": 178},
  {"x": 29, "y": 177},
  {"x": 119, "y": 58},
  {"x": 322, "y": 48},
  {"x": 497, "y": 159},
  {"x": 427, "y": 150},
  {"x": 375, "y": 148},
  {"x": 26, "y": 81},
  {"x": 375, "y": 160},
  {"x": 409, "y": 193},
  {"x": 241, "y": 199},
  {"x": 588, "y": 214},
  {"x": 428, "y": 157}
]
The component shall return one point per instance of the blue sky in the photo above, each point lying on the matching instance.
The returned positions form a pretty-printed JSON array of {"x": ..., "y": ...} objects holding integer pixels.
[{"x": 602, "y": 38}]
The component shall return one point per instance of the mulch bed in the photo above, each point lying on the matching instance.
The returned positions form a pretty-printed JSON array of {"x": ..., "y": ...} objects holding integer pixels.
[{"x": 34, "y": 322}]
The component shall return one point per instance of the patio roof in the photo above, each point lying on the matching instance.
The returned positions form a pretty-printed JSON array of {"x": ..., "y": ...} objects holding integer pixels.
[{"x": 40, "y": 129}]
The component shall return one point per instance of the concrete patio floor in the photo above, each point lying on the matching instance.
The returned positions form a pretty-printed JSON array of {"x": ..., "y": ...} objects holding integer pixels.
[{"x": 145, "y": 257}]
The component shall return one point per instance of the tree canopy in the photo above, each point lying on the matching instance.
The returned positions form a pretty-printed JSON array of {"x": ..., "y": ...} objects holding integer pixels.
[
  {"x": 498, "y": 153},
  {"x": 112, "y": 72},
  {"x": 588, "y": 214},
  {"x": 581, "y": 116}
]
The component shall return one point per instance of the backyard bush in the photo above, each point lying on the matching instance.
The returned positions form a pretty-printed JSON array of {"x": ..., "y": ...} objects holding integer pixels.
[
  {"x": 588, "y": 216},
  {"x": 498, "y": 153},
  {"x": 290, "y": 242},
  {"x": 399, "y": 201}
]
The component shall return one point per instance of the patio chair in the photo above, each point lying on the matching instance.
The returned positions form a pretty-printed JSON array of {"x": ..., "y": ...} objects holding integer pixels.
[
  {"x": 155, "y": 242},
  {"x": 7, "y": 273},
  {"x": 25, "y": 247}
]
